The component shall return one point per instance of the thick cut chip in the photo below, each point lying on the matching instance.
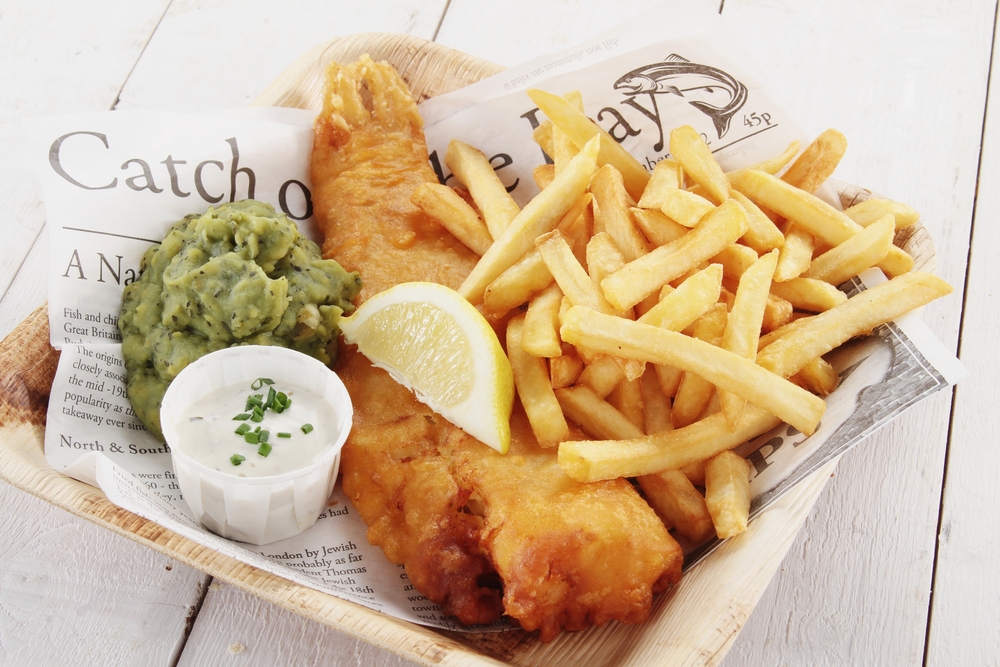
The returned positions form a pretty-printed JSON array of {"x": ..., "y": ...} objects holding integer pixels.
[
  {"x": 727, "y": 493},
  {"x": 688, "y": 148},
  {"x": 858, "y": 315},
  {"x": 474, "y": 170},
  {"x": 531, "y": 377},
  {"x": 443, "y": 204}
]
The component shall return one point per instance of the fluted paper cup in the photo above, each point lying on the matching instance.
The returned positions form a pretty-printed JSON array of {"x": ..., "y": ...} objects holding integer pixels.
[{"x": 258, "y": 510}]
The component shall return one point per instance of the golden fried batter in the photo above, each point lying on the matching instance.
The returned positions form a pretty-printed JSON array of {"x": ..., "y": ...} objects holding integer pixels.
[{"x": 479, "y": 533}]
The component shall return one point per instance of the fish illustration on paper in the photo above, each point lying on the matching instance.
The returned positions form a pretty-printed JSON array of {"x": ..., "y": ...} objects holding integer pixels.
[{"x": 708, "y": 89}]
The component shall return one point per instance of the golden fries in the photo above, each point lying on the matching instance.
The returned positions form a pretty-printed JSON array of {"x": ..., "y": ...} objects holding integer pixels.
[
  {"x": 674, "y": 329},
  {"x": 541, "y": 214},
  {"x": 641, "y": 277},
  {"x": 581, "y": 131},
  {"x": 857, "y": 315},
  {"x": 634, "y": 340}
]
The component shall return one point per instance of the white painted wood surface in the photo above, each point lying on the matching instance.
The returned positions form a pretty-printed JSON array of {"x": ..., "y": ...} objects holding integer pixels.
[{"x": 907, "y": 83}]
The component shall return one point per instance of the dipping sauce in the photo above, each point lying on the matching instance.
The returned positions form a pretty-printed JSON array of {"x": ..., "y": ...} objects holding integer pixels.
[{"x": 207, "y": 430}]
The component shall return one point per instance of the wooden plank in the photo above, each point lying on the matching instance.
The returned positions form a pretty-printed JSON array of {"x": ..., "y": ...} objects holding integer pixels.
[
  {"x": 222, "y": 54},
  {"x": 509, "y": 33},
  {"x": 855, "y": 587},
  {"x": 66, "y": 599},
  {"x": 74, "y": 593},
  {"x": 236, "y": 625},
  {"x": 966, "y": 611},
  {"x": 57, "y": 58}
]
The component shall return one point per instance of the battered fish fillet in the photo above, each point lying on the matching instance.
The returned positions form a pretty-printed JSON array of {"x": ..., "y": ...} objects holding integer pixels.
[{"x": 478, "y": 532}]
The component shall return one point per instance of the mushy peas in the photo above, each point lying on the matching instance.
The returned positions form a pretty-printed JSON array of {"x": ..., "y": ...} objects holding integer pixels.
[{"x": 240, "y": 274}]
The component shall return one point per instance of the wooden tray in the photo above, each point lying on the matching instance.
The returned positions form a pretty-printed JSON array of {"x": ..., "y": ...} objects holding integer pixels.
[{"x": 694, "y": 625}]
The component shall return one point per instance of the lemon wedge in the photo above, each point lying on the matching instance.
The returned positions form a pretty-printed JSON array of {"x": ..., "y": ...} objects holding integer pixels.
[{"x": 433, "y": 341}]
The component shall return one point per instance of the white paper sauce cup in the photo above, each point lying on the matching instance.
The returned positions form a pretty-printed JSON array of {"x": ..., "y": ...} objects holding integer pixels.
[{"x": 258, "y": 510}]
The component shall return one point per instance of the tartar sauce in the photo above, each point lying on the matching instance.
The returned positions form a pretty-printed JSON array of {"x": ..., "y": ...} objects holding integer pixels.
[{"x": 207, "y": 431}]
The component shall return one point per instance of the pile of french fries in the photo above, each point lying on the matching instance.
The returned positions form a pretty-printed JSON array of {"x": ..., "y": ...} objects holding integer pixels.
[{"x": 676, "y": 314}]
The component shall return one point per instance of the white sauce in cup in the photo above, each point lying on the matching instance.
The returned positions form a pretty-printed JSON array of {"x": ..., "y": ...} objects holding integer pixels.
[{"x": 206, "y": 431}]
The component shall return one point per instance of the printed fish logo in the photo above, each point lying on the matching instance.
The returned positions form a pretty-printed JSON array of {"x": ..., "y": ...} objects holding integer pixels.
[{"x": 708, "y": 89}]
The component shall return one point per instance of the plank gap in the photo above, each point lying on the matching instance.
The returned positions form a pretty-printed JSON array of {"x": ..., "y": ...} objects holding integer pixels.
[{"x": 958, "y": 350}]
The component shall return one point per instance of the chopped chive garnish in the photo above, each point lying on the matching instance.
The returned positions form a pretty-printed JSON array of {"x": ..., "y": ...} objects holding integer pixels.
[
  {"x": 237, "y": 459},
  {"x": 269, "y": 402},
  {"x": 251, "y": 438},
  {"x": 284, "y": 434},
  {"x": 260, "y": 382},
  {"x": 307, "y": 428},
  {"x": 243, "y": 416},
  {"x": 264, "y": 449},
  {"x": 263, "y": 436},
  {"x": 242, "y": 428}
]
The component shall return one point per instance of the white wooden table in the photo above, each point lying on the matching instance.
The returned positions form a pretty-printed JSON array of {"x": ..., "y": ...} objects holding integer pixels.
[{"x": 895, "y": 566}]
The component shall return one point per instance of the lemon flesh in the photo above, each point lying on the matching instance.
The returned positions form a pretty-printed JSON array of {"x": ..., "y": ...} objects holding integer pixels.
[{"x": 434, "y": 342}]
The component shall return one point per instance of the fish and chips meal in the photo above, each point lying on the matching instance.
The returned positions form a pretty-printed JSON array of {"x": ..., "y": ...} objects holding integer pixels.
[
  {"x": 546, "y": 398},
  {"x": 652, "y": 323}
]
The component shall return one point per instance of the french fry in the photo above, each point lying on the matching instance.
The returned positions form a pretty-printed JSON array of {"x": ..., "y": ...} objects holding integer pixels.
[
  {"x": 817, "y": 376},
  {"x": 680, "y": 307},
  {"x": 613, "y": 205},
  {"x": 444, "y": 205},
  {"x": 813, "y": 214},
  {"x": 581, "y": 130},
  {"x": 602, "y": 375},
  {"x": 577, "y": 226},
  {"x": 475, "y": 172},
  {"x": 796, "y": 254},
  {"x": 744, "y": 325},
  {"x": 667, "y": 175},
  {"x": 862, "y": 251},
  {"x": 656, "y": 405},
  {"x": 674, "y": 498},
  {"x": 695, "y": 472},
  {"x": 565, "y": 369},
  {"x": 595, "y": 460},
  {"x": 694, "y": 155},
  {"x": 735, "y": 259},
  {"x": 866, "y": 212},
  {"x": 657, "y": 227},
  {"x": 777, "y": 313},
  {"x": 809, "y": 294},
  {"x": 542, "y": 135},
  {"x": 543, "y": 175},
  {"x": 775, "y": 164},
  {"x": 531, "y": 379},
  {"x": 634, "y": 340},
  {"x": 763, "y": 235},
  {"x": 541, "y": 215},
  {"x": 626, "y": 397},
  {"x": 859, "y": 314},
  {"x": 603, "y": 257},
  {"x": 727, "y": 493},
  {"x": 639, "y": 278},
  {"x": 540, "y": 336},
  {"x": 568, "y": 274},
  {"x": 694, "y": 392},
  {"x": 669, "y": 377},
  {"x": 516, "y": 285},
  {"x": 817, "y": 162},
  {"x": 685, "y": 207},
  {"x": 594, "y": 415}
]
